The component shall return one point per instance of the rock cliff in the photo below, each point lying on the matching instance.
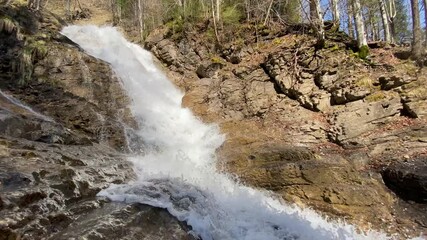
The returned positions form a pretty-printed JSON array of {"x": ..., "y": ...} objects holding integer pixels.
[{"x": 64, "y": 125}]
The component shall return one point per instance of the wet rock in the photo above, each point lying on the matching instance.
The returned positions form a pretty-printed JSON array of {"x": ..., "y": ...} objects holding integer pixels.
[
  {"x": 287, "y": 93},
  {"x": 408, "y": 179},
  {"x": 328, "y": 183},
  {"x": 37, "y": 186},
  {"x": 130, "y": 221},
  {"x": 70, "y": 88}
]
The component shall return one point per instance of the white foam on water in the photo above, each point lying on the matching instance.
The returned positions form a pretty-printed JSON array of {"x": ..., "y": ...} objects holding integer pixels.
[{"x": 178, "y": 171}]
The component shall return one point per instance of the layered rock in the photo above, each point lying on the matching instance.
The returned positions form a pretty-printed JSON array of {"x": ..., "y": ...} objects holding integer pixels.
[
  {"x": 64, "y": 125},
  {"x": 313, "y": 125}
]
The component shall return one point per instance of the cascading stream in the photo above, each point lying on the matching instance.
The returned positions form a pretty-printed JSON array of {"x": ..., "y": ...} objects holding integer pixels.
[{"x": 178, "y": 170}]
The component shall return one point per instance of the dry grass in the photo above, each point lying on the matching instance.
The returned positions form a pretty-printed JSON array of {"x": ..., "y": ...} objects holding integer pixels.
[{"x": 376, "y": 96}]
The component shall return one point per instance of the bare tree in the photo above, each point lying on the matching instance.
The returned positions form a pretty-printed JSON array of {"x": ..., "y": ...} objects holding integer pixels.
[
  {"x": 218, "y": 10},
  {"x": 425, "y": 18},
  {"x": 140, "y": 19},
  {"x": 214, "y": 18},
  {"x": 416, "y": 31},
  {"x": 391, "y": 14},
  {"x": 268, "y": 12},
  {"x": 316, "y": 19},
  {"x": 335, "y": 12},
  {"x": 384, "y": 18},
  {"x": 350, "y": 15},
  {"x": 360, "y": 27}
]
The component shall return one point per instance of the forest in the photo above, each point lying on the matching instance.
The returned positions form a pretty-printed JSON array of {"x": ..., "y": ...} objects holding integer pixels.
[{"x": 390, "y": 21}]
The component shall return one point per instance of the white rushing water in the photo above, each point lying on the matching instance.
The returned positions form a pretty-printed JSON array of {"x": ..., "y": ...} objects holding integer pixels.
[{"x": 178, "y": 170}]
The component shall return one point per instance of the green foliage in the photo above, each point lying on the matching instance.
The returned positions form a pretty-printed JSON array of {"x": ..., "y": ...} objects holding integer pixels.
[
  {"x": 289, "y": 10},
  {"x": 217, "y": 59},
  {"x": 363, "y": 52},
  {"x": 375, "y": 97},
  {"x": 176, "y": 26},
  {"x": 122, "y": 3},
  {"x": 401, "y": 24},
  {"x": 231, "y": 15},
  {"x": 277, "y": 41},
  {"x": 32, "y": 51},
  {"x": 7, "y": 25},
  {"x": 334, "y": 48}
]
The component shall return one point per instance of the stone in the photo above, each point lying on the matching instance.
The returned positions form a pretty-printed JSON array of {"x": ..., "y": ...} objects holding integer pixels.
[
  {"x": 208, "y": 70},
  {"x": 130, "y": 221},
  {"x": 408, "y": 179},
  {"x": 390, "y": 82}
]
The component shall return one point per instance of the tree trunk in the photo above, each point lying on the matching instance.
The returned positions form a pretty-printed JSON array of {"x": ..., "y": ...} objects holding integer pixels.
[
  {"x": 140, "y": 20},
  {"x": 425, "y": 18},
  {"x": 416, "y": 30},
  {"x": 218, "y": 10},
  {"x": 375, "y": 37},
  {"x": 391, "y": 17},
  {"x": 317, "y": 21},
  {"x": 335, "y": 12},
  {"x": 68, "y": 9},
  {"x": 268, "y": 12},
  {"x": 384, "y": 18},
  {"x": 360, "y": 27},
  {"x": 350, "y": 25},
  {"x": 247, "y": 10},
  {"x": 214, "y": 20}
]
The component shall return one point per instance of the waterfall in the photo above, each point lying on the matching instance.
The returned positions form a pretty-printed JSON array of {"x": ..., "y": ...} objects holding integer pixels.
[{"x": 178, "y": 168}]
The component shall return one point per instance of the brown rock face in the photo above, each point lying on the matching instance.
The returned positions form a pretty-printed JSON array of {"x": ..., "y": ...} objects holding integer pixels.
[
  {"x": 72, "y": 88},
  {"x": 313, "y": 125},
  {"x": 63, "y": 116}
]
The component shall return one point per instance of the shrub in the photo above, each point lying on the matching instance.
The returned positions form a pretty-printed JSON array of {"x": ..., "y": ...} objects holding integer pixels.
[
  {"x": 363, "y": 52},
  {"x": 231, "y": 15}
]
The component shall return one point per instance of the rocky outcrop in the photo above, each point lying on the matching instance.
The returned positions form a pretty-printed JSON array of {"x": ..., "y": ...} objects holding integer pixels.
[
  {"x": 64, "y": 125},
  {"x": 360, "y": 117},
  {"x": 50, "y": 73},
  {"x": 313, "y": 125},
  {"x": 48, "y": 190}
]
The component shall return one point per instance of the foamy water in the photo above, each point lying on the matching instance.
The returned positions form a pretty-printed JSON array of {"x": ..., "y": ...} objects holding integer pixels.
[{"x": 178, "y": 170}]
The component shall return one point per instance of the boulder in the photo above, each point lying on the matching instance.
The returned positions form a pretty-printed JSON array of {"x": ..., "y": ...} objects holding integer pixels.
[{"x": 408, "y": 179}]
